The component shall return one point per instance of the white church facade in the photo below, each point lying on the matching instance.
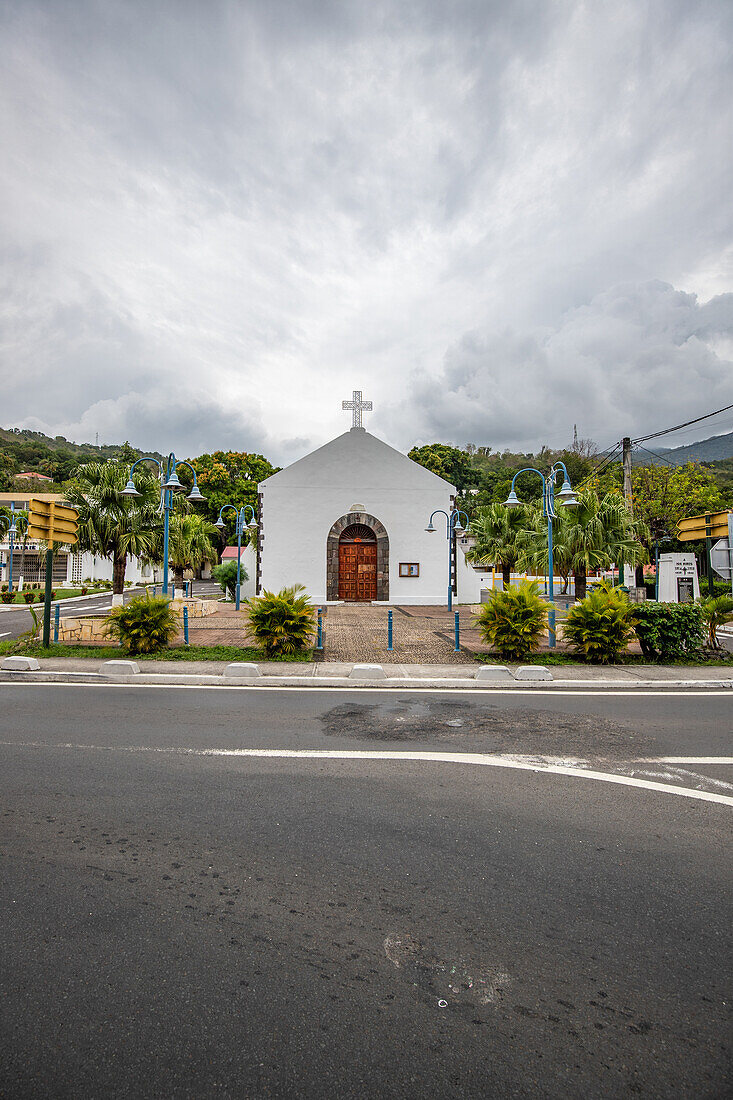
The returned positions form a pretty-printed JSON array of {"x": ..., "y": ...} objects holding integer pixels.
[{"x": 348, "y": 522}]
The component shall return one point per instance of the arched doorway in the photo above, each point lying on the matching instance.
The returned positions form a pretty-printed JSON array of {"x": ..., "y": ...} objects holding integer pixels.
[
  {"x": 358, "y": 563},
  {"x": 357, "y": 539}
]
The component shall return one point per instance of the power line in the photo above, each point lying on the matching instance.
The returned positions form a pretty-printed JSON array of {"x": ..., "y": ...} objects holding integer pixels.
[
  {"x": 676, "y": 428},
  {"x": 601, "y": 466},
  {"x": 655, "y": 455}
]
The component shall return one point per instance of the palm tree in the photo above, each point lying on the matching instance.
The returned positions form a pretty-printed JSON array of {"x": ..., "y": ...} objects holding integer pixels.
[
  {"x": 110, "y": 524},
  {"x": 189, "y": 543},
  {"x": 592, "y": 535},
  {"x": 497, "y": 530}
]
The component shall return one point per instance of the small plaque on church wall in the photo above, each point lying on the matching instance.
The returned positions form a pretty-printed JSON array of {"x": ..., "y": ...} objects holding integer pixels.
[{"x": 409, "y": 569}]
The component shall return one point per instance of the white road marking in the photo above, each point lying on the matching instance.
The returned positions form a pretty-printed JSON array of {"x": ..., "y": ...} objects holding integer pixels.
[
  {"x": 531, "y": 764},
  {"x": 682, "y": 760},
  {"x": 412, "y": 686},
  {"x": 5, "y": 634}
]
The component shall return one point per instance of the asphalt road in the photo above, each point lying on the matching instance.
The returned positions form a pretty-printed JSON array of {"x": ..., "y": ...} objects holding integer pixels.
[{"x": 182, "y": 919}]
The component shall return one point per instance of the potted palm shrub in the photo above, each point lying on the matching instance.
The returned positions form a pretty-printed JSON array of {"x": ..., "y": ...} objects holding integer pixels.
[
  {"x": 144, "y": 625},
  {"x": 282, "y": 622},
  {"x": 513, "y": 621}
]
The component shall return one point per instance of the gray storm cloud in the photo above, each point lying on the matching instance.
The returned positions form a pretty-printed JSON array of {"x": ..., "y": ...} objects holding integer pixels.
[{"x": 218, "y": 219}]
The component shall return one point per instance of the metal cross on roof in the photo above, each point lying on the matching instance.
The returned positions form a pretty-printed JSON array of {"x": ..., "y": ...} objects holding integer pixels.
[{"x": 358, "y": 406}]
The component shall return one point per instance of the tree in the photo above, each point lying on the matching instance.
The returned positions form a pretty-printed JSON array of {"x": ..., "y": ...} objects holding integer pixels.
[
  {"x": 592, "y": 535},
  {"x": 190, "y": 542},
  {"x": 228, "y": 477},
  {"x": 7, "y": 471},
  {"x": 663, "y": 495},
  {"x": 110, "y": 524},
  {"x": 497, "y": 530},
  {"x": 447, "y": 462}
]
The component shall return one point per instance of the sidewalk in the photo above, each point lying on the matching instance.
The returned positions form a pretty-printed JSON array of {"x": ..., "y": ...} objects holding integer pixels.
[{"x": 399, "y": 676}]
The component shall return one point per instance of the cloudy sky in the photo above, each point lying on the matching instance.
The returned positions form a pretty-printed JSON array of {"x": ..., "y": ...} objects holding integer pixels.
[{"x": 219, "y": 217}]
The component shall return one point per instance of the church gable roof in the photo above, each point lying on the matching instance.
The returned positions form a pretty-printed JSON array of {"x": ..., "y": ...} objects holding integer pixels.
[{"x": 357, "y": 460}]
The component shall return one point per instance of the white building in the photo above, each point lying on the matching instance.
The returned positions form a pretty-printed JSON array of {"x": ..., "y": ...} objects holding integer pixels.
[
  {"x": 348, "y": 522},
  {"x": 70, "y": 567}
]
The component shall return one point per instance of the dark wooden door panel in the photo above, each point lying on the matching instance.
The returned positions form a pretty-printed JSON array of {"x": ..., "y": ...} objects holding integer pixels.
[{"x": 357, "y": 571}]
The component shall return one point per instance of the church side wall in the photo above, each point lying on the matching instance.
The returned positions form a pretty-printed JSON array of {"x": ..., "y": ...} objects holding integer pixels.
[{"x": 297, "y": 521}]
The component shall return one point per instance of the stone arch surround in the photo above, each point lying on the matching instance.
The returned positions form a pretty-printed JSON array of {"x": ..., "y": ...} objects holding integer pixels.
[{"x": 332, "y": 553}]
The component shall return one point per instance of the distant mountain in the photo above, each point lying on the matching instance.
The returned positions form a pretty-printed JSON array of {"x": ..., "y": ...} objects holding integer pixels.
[
  {"x": 59, "y": 443},
  {"x": 706, "y": 450}
]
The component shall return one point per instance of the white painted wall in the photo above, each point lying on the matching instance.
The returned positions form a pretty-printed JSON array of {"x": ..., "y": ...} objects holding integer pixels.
[
  {"x": 470, "y": 580},
  {"x": 302, "y": 502}
]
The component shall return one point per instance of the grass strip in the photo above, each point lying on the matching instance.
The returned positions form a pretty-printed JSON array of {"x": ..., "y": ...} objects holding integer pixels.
[{"x": 174, "y": 653}]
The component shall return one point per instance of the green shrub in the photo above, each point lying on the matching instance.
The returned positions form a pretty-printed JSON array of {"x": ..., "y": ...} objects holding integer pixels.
[
  {"x": 282, "y": 622},
  {"x": 7, "y": 597},
  {"x": 513, "y": 621},
  {"x": 716, "y": 612},
  {"x": 144, "y": 625},
  {"x": 667, "y": 631},
  {"x": 29, "y": 597},
  {"x": 3, "y": 588},
  {"x": 601, "y": 625},
  {"x": 225, "y": 576}
]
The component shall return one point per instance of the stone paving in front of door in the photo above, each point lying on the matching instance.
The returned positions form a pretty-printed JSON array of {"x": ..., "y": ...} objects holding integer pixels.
[{"x": 358, "y": 632}]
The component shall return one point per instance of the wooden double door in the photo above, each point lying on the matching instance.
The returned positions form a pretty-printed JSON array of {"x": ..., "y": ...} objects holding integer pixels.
[{"x": 357, "y": 571}]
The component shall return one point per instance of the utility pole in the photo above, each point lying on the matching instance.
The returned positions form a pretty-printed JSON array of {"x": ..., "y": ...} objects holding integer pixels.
[
  {"x": 626, "y": 444},
  {"x": 628, "y": 496}
]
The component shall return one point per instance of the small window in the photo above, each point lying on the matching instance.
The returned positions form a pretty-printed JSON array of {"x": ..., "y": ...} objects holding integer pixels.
[{"x": 409, "y": 569}]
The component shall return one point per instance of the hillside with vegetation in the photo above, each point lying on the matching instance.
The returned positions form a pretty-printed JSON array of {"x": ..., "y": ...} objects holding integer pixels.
[{"x": 23, "y": 450}]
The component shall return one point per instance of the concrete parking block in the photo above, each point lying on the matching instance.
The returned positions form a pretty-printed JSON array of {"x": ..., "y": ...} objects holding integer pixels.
[
  {"x": 119, "y": 668},
  {"x": 493, "y": 672},
  {"x": 20, "y": 664},
  {"x": 242, "y": 670},
  {"x": 533, "y": 672},
  {"x": 367, "y": 672}
]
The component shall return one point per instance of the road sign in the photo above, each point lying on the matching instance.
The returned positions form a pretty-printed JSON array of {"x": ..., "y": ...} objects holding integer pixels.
[
  {"x": 720, "y": 558},
  {"x": 711, "y": 525},
  {"x": 52, "y": 522}
]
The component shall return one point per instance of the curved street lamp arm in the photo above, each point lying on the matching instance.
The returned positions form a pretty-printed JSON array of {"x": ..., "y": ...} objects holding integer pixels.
[
  {"x": 439, "y": 512},
  {"x": 184, "y": 462},
  {"x": 527, "y": 470},
  {"x": 146, "y": 458},
  {"x": 225, "y": 506},
  {"x": 557, "y": 466}
]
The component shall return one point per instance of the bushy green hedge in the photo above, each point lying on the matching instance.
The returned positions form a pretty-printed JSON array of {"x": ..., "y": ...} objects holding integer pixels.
[
  {"x": 225, "y": 576},
  {"x": 667, "y": 631}
]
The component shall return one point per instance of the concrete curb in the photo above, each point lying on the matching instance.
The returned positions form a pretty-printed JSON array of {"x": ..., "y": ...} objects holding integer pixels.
[{"x": 401, "y": 683}]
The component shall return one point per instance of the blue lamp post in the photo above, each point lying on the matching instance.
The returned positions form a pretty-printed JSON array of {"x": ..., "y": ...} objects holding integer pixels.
[
  {"x": 453, "y": 526},
  {"x": 567, "y": 498},
  {"x": 241, "y": 523},
  {"x": 12, "y": 532},
  {"x": 170, "y": 485}
]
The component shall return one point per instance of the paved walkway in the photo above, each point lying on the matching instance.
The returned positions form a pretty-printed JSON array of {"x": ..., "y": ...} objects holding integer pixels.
[{"x": 358, "y": 632}]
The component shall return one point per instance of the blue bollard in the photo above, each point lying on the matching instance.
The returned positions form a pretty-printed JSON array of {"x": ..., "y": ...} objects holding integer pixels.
[
  {"x": 457, "y": 646},
  {"x": 319, "y": 644},
  {"x": 155, "y": 588},
  {"x": 389, "y": 630},
  {"x": 56, "y": 623},
  {"x": 185, "y": 625},
  {"x": 173, "y": 592}
]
